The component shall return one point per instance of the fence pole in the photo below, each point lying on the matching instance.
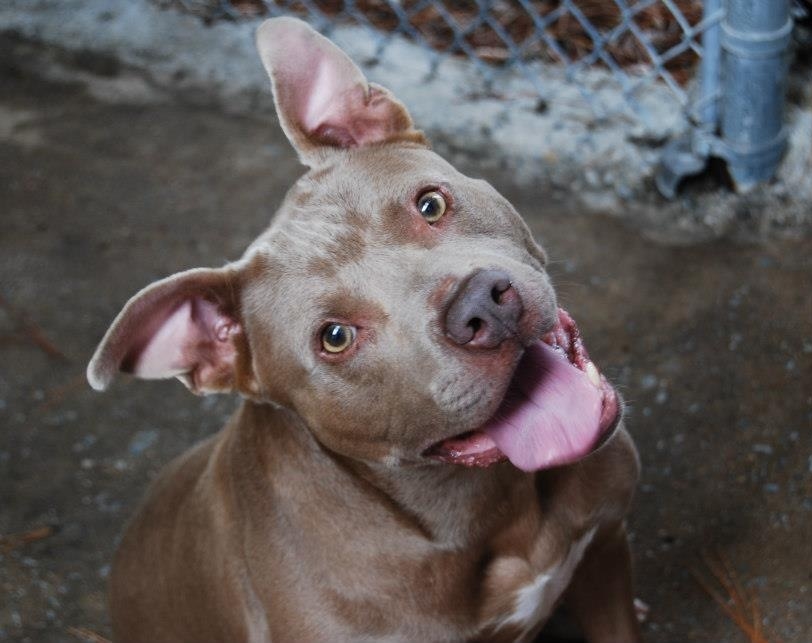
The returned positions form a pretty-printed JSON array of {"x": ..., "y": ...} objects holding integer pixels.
[
  {"x": 739, "y": 113},
  {"x": 755, "y": 40},
  {"x": 710, "y": 70}
]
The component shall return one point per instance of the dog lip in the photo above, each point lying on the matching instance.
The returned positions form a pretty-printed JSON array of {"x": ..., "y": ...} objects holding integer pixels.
[
  {"x": 458, "y": 450},
  {"x": 609, "y": 432},
  {"x": 474, "y": 448}
]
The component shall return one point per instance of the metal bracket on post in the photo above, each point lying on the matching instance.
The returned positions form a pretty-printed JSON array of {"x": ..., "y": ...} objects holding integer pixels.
[
  {"x": 743, "y": 126},
  {"x": 688, "y": 155}
]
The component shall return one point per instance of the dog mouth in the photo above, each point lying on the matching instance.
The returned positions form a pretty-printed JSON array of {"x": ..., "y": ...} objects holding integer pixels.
[{"x": 558, "y": 408}]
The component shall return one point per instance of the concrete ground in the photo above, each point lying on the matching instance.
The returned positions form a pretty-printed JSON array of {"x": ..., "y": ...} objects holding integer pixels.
[{"x": 711, "y": 346}]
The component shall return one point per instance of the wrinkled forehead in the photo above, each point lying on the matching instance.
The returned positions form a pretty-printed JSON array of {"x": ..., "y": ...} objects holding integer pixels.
[
  {"x": 380, "y": 171},
  {"x": 360, "y": 200},
  {"x": 354, "y": 221},
  {"x": 361, "y": 186}
]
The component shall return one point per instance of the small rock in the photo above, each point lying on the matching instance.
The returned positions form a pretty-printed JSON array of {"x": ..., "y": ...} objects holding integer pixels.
[
  {"x": 142, "y": 441},
  {"x": 86, "y": 442},
  {"x": 735, "y": 340},
  {"x": 624, "y": 191},
  {"x": 648, "y": 382}
]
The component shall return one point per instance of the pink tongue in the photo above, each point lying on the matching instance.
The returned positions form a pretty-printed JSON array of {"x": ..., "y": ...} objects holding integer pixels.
[{"x": 551, "y": 414}]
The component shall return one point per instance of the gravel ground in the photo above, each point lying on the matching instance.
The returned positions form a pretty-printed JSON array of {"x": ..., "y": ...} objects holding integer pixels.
[{"x": 710, "y": 344}]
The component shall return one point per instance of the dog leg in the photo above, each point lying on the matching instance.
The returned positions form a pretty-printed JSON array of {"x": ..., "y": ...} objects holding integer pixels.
[{"x": 600, "y": 596}]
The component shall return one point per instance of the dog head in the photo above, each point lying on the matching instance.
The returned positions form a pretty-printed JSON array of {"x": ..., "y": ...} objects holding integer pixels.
[{"x": 394, "y": 304}]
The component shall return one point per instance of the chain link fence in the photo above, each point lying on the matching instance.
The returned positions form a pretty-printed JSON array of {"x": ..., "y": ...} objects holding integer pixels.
[
  {"x": 637, "y": 42},
  {"x": 628, "y": 46}
]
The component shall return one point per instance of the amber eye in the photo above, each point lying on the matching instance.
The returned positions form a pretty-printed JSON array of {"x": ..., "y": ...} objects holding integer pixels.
[
  {"x": 336, "y": 338},
  {"x": 431, "y": 206}
]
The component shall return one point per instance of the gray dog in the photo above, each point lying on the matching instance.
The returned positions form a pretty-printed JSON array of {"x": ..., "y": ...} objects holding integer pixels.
[{"x": 425, "y": 451}]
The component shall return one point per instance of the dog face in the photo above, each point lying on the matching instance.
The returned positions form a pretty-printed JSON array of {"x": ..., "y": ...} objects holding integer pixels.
[
  {"x": 389, "y": 303},
  {"x": 352, "y": 254}
]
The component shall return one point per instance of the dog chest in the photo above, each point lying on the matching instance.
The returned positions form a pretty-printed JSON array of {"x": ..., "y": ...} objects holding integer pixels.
[{"x": 534, "y": 603}]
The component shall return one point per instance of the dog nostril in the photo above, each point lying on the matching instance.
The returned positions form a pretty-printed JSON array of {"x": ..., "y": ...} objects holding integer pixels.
[
  {"x": 499, "y": 289},
  {"x": 475, "y": 324}
]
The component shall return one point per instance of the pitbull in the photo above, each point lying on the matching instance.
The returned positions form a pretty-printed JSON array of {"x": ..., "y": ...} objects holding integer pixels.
[{"x": 424, "y": 450}]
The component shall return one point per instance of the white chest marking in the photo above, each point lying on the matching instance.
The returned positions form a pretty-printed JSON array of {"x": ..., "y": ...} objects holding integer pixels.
[{"x": 535, "y": 601}]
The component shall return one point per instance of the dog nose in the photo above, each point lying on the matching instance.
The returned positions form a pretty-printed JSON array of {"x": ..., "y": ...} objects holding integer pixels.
[{"x": 485, "y": 310}]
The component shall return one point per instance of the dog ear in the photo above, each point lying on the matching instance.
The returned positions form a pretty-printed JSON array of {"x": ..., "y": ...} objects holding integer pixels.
[
  {"x": 323, "y": 100},
  {"x": 186, "y": 326}
]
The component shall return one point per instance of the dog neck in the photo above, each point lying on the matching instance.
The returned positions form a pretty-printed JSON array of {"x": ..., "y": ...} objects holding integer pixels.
[
  {"x": 454, "y": 506},
  {"x": 449, "y": 505}
]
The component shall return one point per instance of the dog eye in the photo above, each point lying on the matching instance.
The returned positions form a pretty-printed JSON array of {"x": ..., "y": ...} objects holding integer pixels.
[
  {"x": 336, "y": 338},
  {"x": 431, "y": 206}
]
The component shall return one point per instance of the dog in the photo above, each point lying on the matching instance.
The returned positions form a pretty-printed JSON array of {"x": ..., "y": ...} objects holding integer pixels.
[{"x": 424, "y": 450}]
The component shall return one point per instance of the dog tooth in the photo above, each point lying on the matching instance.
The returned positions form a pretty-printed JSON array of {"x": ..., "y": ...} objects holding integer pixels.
[{"x": 592, "y": 373}]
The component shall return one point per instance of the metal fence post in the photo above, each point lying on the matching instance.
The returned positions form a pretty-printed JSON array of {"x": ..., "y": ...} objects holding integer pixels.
[
  {"x": 710, "y": 71},
  {"x": 755, "y": 39},
  {"x": 739, "y": 113}
]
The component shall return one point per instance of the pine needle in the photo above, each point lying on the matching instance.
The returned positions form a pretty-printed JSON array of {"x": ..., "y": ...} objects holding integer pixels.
[
  {"x": 89, "y": 636},
  {"x": 12, "y": 541},
  {"x": 727, "y": 591}
]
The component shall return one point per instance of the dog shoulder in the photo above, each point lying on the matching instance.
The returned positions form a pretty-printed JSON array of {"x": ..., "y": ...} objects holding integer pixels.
[{"x": 174, "y": 541}]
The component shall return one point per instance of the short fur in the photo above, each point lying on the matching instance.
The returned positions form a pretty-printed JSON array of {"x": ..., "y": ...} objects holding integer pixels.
[{"x": 313, "y": 515}]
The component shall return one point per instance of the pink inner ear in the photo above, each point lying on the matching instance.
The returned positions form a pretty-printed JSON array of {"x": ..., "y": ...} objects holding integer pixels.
[
  {"x": 318, "y": 95},
  {"x": 322, "y": 96},
  {"x": 341, "y": 110},
  {"x": 164, "y": 353},
  {"x": 193, "y": 338}
]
